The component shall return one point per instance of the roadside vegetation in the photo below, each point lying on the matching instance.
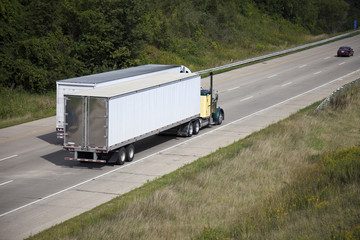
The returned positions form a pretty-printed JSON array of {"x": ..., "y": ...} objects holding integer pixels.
[
  {"x": 44, "y": 41},
  {"x": 19, "y": 106},
  {"x": 296, "y": 179}
]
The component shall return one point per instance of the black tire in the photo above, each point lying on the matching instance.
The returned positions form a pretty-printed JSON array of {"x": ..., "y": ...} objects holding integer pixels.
[
  {"x": 221, "y": 118},
  {"x": 130, "y": 152},
  {"x": 121, "y": 156},
  {"x": 196, "y": 127},
  {"x": 190, "y": 130}
]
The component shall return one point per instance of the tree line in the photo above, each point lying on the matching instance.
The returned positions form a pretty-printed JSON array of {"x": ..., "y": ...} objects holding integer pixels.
[{"x": 43, "y": 41}]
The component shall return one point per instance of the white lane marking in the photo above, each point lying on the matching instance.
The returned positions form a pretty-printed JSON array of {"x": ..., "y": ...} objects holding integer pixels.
[
  {"x": 244, "y": 99},
  {"x": 341, "y": 63},
  {"x": 3, "y": 159},
  {"x": 302, "y": 66},
  {"x": 326, "y": 58},
  {"x": 286, "y": 84},
  {"x": 232, "y": 89},
  {"x": 6, "y": 182},
  {"x": 272, "y": 76},
  {"x": 176, "y": 145},
  {"x": 317, "y": 72}
]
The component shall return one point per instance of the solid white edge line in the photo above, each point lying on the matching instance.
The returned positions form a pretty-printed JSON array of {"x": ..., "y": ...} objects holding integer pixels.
[
  {"x": 3, "y": 159},
  {"x": 6, "y": 182},
  {"x": 164, "y": 150}
]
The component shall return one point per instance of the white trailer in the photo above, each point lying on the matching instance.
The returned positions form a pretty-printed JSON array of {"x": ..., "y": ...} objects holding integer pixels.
[
  {"x": 74, "y": 85},
  {"x": 102, "y": 124}
]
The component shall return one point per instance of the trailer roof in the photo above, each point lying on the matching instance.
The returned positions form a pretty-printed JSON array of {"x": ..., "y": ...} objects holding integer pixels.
[
  {"x": 119, "y": 74},
  {"x": 135, "y": 85}
]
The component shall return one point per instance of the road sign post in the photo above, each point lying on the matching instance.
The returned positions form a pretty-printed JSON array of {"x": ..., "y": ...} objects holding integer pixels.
[{"x": 355, "y": 24}]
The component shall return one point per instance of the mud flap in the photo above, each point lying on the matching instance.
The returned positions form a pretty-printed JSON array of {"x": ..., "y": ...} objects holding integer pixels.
[{"x": 112, "y": 157}]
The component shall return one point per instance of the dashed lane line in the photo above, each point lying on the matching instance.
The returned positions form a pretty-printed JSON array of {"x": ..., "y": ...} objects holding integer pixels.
[
  {"x": 1, "y": 184},
  {"x": 286, "y": 84},
  {"x": 3, "y": 159}
]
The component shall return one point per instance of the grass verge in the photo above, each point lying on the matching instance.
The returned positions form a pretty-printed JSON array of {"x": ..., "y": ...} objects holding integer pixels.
[
  {"x": 296, "y": 179},
  {"x": 18, "y": 106}
]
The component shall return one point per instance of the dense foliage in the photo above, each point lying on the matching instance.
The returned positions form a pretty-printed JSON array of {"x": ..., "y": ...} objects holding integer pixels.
[
  {"x": 43, "y": 41},
  {"x": 316, "y": 15}
]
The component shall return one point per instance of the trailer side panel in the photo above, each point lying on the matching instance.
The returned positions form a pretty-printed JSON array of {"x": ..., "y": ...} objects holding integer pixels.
[{"x": 149, "y": 111}]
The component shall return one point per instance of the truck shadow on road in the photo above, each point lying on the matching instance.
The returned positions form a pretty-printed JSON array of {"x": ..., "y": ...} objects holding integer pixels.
[
  {"x": 57, "y": 158},
  {"x": 152, "y": 141},
  {"x": 51, "y": 138}
]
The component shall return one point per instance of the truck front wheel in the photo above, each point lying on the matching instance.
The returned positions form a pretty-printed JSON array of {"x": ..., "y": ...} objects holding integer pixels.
[
  {"x": 121, "y": 156},
  {"x": 221, "y": 118}
]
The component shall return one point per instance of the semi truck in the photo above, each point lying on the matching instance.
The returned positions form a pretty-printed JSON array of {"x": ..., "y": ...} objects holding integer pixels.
[
  {"x": 74, "y": 85},
  {"x": 102, "y": 124}
]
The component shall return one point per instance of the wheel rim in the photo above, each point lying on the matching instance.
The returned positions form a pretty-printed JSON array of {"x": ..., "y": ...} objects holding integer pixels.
[
  {"x": 131, "y": 153},
  {"x": 197, "y": 126},
  {"x": 122, "y": 156},
  {"x": 191, "y": 130},
  {"x": 220, "y": 118}
]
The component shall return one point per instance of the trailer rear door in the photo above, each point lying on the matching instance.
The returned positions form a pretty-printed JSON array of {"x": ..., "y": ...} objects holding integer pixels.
[
  {"x": 97, "y": 122},
  {"x": 85, "y": 122},
  {"x": 74, "y": 120}
]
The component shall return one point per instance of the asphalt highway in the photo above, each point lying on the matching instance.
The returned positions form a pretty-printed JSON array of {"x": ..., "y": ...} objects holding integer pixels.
[{"x": 38, "y": 188}]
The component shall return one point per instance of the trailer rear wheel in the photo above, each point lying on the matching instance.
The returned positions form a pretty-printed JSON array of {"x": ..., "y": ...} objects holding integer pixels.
[
  {"x": 121, "y": 156},
  {"x": 196, "y": 125},
  {"x": 130, "y": 152}
]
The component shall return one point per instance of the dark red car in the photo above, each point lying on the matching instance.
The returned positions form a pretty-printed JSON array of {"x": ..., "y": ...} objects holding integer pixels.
[{"x": 345, "y": 51}]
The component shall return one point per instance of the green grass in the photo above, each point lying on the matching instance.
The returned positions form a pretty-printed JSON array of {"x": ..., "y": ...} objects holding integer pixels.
[
  {"x": 18, "y": 106},
  {"x": 296, "y": 179}
]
